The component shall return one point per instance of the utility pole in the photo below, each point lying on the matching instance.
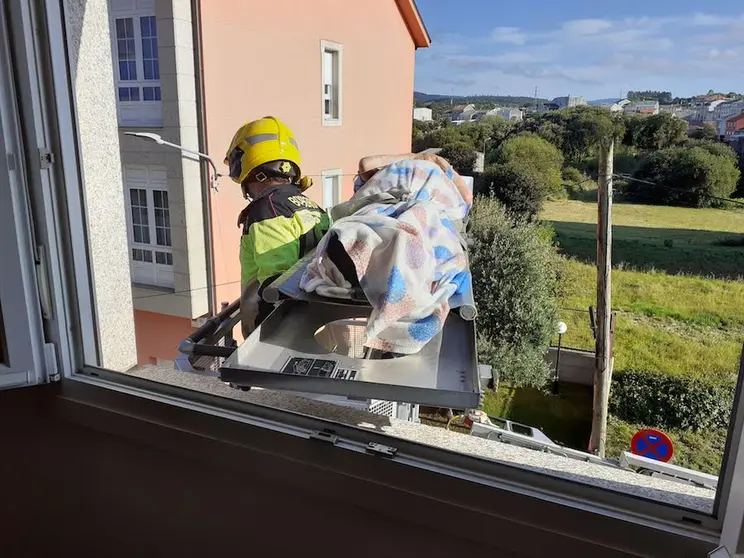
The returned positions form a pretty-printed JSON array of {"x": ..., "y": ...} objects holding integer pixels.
[
  {"x": 536, "y": 98},
  {"x": 603, "y": 355}
]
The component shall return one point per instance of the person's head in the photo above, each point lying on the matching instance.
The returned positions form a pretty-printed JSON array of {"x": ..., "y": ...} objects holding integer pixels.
[{"x": 263, "y": 153}]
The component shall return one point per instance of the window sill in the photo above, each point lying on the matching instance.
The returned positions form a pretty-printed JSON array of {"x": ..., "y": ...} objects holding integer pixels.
[
  {"x": 196, "y": 422},
  {"x": 332, "y": 122},
  {"x": 594, "y": 475}
]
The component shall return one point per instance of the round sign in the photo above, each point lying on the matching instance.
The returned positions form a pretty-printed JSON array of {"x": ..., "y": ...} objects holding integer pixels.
[{"x": 653, "y": 444}]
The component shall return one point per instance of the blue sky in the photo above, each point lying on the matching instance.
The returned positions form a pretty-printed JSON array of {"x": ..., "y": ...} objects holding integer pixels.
[{"x": 580, "y": 47}]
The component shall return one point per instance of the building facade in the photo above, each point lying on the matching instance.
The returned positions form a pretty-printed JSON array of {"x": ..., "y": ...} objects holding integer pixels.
[
  {"x": 733, "y": 125},
  {"x": 175, "y": 78}
]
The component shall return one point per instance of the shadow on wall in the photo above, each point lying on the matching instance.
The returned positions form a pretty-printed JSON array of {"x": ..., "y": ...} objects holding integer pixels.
[{"x": 670, "y": 250}]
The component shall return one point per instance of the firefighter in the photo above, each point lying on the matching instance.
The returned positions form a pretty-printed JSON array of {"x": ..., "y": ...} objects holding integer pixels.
[{"x": 280, "y": 225}]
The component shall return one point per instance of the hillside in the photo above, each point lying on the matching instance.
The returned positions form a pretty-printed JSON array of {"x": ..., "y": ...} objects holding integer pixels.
[{"x": 498, "y": 100}]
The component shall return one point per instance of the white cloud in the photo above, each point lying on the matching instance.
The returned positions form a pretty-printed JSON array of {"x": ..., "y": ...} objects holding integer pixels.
[
  {"x": 684, "y": 53},
  {"x": 511, "y": 35},
  {"x": 586, "y": 26}
]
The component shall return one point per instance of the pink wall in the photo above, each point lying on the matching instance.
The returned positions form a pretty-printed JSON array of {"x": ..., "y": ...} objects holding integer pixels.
[
  {"x": 158, "y": 336},
  {"x": 264, "y": 58}
]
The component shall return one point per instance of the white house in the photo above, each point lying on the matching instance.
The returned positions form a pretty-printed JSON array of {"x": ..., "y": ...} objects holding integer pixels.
[{"x": 422, "y": 114}]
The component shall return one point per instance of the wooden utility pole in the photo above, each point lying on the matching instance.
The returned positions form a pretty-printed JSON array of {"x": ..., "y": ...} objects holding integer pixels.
[{"x": 603, "y": 356}]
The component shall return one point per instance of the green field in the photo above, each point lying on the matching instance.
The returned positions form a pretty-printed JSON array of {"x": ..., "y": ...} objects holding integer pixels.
[
  {"x": 678, "y": 292},
  {"x": 674, "y": 240}
]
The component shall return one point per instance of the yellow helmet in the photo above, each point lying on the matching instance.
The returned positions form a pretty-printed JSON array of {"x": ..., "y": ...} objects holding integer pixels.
[{"x": 259, "y": 142}]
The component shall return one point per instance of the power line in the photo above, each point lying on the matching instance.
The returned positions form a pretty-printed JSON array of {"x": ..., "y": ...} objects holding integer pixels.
[
  {"x": 632, "y": 179},
  {"x": 185, "y": 290}
]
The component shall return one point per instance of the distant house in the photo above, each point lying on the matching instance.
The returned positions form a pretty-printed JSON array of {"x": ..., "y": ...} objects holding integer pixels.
[
  {"x": 422, "y": 114},
  {"x": 642, "y": 107},
  {"x": 514, "y": 114},
  {"x": 723, "y": 110},
  {"x": 565, "y": 102},
  {"x": 733, "y": 125}
]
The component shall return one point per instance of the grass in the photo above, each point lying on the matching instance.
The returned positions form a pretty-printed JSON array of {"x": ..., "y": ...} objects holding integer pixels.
[
  {"x": 704, "y": 242},
  {"x": 701, "y": 451},
  {"x": 565, "y": 418},
  {"x": 678, "y": 289},
  {"x": 671, "y": 324}
]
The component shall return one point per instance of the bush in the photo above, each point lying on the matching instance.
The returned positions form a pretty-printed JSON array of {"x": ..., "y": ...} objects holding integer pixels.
[
  {"x": 513, "y": 265},
  {"x": 517, "y": 188},
  {"x": 684, "y": 176},
  {"x": 460, "y": 155},
  {"x": 666, "y": 401},
  {"x": 579, "y": 186},
  {"x": 529, "y": 151}
]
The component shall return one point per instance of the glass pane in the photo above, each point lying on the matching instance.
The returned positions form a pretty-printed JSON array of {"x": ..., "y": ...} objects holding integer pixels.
[
  {"x": 149, "y": 49},
  {"x": 163, "y": 258},
  {"x": 680, "y": 322},
  {"x": 140, "y": 220},
  {"x": 162, "y": 218}
]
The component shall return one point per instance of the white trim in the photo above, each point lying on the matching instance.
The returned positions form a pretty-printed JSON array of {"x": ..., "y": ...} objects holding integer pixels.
[
  {"x": 338, "y": 194},
  {"x": 150, "y": 179},
  {"x": 338, "y": 77}
]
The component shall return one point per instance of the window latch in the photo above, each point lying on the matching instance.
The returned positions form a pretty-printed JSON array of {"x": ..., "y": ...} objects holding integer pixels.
[
  {"x": 381, "y": 450},
  {"x": 46, "y": 158},
  {"x": 324, "y": 436}
]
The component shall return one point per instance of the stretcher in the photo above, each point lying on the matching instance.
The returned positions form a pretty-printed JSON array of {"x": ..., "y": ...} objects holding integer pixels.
[{"x": 314, "y": 344}]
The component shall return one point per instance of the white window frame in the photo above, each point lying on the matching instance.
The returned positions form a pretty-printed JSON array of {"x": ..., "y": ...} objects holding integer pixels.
[
  {"x": 425, "y": 466},
  {"x": 337, "y": 195},
  {"x": 148, "y": 273},
  {"x": 22, "y": 351},
  {"x": 334, "y": 93},
  {"x": 139, "y": 113}
]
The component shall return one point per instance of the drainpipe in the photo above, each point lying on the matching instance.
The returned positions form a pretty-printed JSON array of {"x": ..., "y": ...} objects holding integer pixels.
[{"x": 202, "y": 133}]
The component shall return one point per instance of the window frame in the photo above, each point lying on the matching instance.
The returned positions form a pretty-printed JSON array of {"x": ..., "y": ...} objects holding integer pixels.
[
  {"x": 425, "y": 466},
  {"x": 337, "y": 174},
  {"x": 164, "y": 274},
  {"x": 337, "y": 51},
  {"x": 154, "y": 116}
]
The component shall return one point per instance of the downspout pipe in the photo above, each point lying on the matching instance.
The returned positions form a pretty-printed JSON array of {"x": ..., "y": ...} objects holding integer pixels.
[{"x": 204, "y": 168}]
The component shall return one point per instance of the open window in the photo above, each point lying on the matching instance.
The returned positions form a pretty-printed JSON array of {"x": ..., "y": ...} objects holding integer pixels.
[
  {"x": 23, "y": 268},
  {"x": 122, "y": 233}
]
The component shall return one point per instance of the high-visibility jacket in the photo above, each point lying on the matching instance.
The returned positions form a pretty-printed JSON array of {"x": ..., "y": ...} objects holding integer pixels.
[{"x": 279, "y": 228}]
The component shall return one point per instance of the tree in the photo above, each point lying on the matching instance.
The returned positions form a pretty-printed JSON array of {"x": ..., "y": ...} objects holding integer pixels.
[
  {"x": 514, "y": 272},
  {"x": 516, "y": 187},
  {"x": 708, "y": 131},
  {"x": 460, "y": 155},
  {"x": 664, "y": 97},
  {"x": 658, "y": 131},
  {"x": 691, "y": 176},
  {"x": 585, "y": 128},
  {"x": 530, "y": 152}
]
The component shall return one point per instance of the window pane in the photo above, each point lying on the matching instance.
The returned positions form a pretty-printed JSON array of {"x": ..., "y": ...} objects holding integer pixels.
[
  {"x": 140, "y": 220},
  {"x": 163, "y": 258},
  {"x": 162, "y": 218},
  {"x": 150, "y": 66},
  {"x": 125, "y": 48}
]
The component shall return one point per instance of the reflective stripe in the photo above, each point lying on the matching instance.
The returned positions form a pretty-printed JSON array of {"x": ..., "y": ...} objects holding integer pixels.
[{"x": 258, "y": 138}]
